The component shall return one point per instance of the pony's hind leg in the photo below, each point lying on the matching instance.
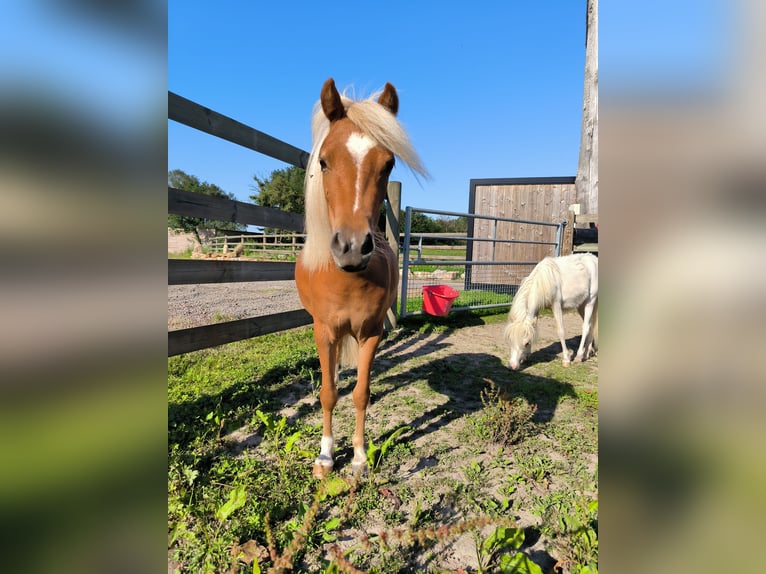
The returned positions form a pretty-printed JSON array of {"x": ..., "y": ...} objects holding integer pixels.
[
  {"x": 586, "y": 340},
  {"x": 328, "y": 359}
]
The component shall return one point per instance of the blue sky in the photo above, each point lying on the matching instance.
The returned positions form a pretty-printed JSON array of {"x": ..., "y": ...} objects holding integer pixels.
[{"x": 488, "y": 89}]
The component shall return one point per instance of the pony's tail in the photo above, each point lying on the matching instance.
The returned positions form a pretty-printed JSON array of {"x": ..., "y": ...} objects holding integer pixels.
[{"x": 349, "y": 352}]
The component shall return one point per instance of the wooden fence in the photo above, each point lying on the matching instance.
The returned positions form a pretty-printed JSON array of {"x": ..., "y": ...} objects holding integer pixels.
[
  {"x": 576, "y": 239},
  {"x": 291, "y": 243},
  {"x": 267, "y": 243},
  {"x": 542, "y": 199},
  {"x": 181, "y": 202}
]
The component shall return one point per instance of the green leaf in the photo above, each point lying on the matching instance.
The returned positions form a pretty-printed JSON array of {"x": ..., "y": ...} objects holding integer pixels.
[
  {"x": 391, "y": 439},
  {"x": 291, "y": 441},
  {"x": 335, "y": 486},
  {"x": 332, "y": 524},
  {"x": 372, "y": 451},
  {"x": 265, "y": 419},
  {"x": 519, "y": 563},
  {"x": 237, "y": 498},
  {"x": 190, "y": 475},
  {"x": 503, "y": 539}
]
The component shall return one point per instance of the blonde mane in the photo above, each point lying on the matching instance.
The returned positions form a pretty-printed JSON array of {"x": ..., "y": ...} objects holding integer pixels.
[
  {"x": 374, "y": 121},
  {"x": 536, "y": 292}
]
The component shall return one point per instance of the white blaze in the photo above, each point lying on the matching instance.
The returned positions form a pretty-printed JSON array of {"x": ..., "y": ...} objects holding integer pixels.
[{"x": 358, "y": 145}]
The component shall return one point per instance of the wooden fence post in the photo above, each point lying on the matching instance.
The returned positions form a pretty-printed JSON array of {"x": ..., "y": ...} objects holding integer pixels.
[
  {"x": 566, "y": 241},
  {"x": 393, "y": 211}
]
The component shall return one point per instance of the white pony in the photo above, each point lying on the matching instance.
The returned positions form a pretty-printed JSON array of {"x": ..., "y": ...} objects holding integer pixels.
[{"x": 559, "y": 284}]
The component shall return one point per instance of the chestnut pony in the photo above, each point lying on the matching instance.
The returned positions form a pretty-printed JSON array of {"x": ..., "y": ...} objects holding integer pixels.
[{"x": 347, "y": 275}]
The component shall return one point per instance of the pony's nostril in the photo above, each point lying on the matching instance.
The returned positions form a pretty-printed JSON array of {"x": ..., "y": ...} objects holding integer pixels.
[
  {"x": 368, "y": 244},
  {"x": 339, "y": 246}
]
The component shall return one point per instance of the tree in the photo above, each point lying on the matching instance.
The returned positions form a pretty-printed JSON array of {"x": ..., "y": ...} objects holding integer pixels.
[
  {"x": 283, "y": 190},
  {"x": 182, "y": 180},
  {"x": 421, "y": 223},
  {"x": 586, "y": 182},
  {"x": 453, "y": 224}
]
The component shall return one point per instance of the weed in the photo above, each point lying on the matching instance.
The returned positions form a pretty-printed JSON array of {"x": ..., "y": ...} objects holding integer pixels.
[
  {"x": 473, "y": 472},
  {"x": 571, "y": 521},
  {"x": 375, "y": 454},
  {"x": 534, "y": 467},
  {"x": 276, "y": 430},
  {"x": 219, "y": 317},
  {"x": 504, "y": 420}
]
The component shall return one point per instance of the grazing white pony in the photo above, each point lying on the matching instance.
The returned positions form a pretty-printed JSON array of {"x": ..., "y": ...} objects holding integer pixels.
[{"x": 559, "y": 284}]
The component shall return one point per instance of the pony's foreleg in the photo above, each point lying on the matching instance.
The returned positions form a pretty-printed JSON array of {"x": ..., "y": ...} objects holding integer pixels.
[
  {"x": 328, "y": 359},
  {"x": 361, "y": 397},
  {"x": 586, "y": 340}
]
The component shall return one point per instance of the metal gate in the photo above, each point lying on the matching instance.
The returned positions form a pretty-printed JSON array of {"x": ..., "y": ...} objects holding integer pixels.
[{"x": 485, "y": 265}]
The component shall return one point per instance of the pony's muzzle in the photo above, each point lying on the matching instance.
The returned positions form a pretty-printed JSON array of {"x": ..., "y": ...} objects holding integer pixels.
[{"x": 352, "y": 252}]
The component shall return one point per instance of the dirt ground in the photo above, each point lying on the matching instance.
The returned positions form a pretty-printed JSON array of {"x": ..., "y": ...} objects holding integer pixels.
[
  {"x": 427, "y": 381},
  {"x": 195, "y": 305},
  {"x": 430, "y": 382}
]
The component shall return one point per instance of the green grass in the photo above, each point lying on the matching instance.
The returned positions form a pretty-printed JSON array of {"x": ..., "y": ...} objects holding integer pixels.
[
  {"x": 239, "y": 482},
  {"x": 186, "y": 254}
]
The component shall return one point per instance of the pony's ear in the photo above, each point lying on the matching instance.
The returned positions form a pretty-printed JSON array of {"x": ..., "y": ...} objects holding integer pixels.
[
  {"x": 389, "y": 99},
  {"x": 332, "y": 106}
]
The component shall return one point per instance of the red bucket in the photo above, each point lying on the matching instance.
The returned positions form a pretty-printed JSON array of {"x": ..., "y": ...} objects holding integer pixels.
[{"x": 438, "y": 299}]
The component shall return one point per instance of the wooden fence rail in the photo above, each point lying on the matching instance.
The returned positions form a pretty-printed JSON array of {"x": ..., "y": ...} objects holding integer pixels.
[
  {"x": 206, "y": 120},
  {"x": 267, "y": 243},
  {"x": 196, "y": 338},
  {"x": 190, "y": 204},
  {"x": 196, "y": 271}
]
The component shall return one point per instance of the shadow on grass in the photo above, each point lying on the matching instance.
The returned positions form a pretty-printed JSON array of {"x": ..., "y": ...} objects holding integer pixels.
[
  {"x": 551, "y": 352},
  {"x": 461, "y": 377},
  {"x": 237, "y": 403},
  {"x": 403, "y": 358}
]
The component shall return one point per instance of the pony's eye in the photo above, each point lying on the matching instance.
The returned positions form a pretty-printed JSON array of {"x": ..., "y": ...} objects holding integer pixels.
[{"x": 323, "y": 164}]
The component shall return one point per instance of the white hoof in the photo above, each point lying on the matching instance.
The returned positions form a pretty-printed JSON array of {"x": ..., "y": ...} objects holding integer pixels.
[
  {"x": 359, "y": 468},
  {"x": 322, "y": 466}
]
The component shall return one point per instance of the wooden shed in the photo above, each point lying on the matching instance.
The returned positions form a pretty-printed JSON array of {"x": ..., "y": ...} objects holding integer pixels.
[{"x": 533, "y": 201}]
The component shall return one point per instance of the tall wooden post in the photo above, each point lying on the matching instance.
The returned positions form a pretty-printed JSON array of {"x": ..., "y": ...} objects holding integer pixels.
[{"x": 586, "y": 181}]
